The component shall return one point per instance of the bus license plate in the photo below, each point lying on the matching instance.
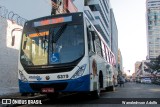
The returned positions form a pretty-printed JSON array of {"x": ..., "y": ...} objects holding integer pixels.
[{"x": 47, "y": 90}]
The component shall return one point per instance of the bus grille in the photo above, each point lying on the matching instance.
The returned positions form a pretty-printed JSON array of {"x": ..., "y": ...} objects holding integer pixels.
[
  {"x": 56, "y": 86},
  {"x": 38, "y": 70}
]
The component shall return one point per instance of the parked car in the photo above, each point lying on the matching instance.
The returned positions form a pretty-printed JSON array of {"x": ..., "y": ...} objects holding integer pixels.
[
  {"x": 146, "y": 80},
  {"x": 138, "y": 80},
  {"x": 156, "y": 81}
]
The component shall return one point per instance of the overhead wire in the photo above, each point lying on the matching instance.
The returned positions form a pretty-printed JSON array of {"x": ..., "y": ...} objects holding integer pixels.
[{"x": 4, "y": 13}]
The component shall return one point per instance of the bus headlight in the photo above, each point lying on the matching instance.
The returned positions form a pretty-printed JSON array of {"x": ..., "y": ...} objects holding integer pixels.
[
  {"x": 22, "y": 77},
  {"x": 79, "y": 72}
]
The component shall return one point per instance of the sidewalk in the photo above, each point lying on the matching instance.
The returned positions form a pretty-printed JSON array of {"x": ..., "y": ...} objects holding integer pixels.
[{"x": 9, "y": 91}]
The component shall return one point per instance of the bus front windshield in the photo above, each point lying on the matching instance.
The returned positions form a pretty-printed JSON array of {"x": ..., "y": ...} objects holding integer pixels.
[{"x": 52, "y": 45}]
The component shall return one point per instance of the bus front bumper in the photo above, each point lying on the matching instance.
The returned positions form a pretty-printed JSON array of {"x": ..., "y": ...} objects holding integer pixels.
[{"x": 81, "y": 84}]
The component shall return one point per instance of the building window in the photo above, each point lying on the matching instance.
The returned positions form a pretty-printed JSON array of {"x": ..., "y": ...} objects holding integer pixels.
[
  {"x": 93, "y": 8},
  {"x": 150, "y": 22},
  {"x": 149, "y": 27},
  {"x": 150, "y": 32}
]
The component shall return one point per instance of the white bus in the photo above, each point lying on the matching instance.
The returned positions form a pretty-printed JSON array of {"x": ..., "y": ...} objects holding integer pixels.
[{"x": 64, "y": 53}]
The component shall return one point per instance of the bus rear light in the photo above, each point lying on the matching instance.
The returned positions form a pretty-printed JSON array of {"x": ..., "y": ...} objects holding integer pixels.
[
  {"x": 79, "y": 72},
  {"x": 22, "y": 77}
]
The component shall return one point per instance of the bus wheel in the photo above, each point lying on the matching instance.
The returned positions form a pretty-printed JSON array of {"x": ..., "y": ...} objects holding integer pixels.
[
  {"x": 53, "y": 96},
  {"x": 32, "y": 94},
  {"x": 96, "y": 94},
  {"x": 24, "y": 94},
  {"x": 110, "y": 88}
]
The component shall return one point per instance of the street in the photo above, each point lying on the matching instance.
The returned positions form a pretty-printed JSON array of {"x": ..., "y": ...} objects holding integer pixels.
[
  {"x": 72, "y": 53},
  {"x": 130, "y": 92},
  {"x": 135, "y": 90}
]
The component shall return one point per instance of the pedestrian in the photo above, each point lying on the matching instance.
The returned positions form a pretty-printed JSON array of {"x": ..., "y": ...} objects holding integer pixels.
[{"x": 121, "y": 81}]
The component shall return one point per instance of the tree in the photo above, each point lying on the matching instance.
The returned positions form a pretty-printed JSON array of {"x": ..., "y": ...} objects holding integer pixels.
[{"x": 154, "y": 64}]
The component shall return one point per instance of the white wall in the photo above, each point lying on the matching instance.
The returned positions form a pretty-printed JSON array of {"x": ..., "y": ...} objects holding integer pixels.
[{"x": 8, "y": 53}]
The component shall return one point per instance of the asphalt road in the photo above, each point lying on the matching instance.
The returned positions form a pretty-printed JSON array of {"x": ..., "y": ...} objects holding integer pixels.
[
  {"x": 135, "y": 90},
  {"x": 132, "y": 95}
]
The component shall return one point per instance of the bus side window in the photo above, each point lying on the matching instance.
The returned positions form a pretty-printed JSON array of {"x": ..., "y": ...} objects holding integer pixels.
[
  {"x": 103, "y": 50},
  {"x": 106, "y": 51},
  {"x": 93, "y": 39},
  {"x": 90, "y": 41},
  {"x": 98, "y": 45}
]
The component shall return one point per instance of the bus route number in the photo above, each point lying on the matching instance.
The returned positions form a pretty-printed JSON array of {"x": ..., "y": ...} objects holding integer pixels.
[{"x": 62, "y": 76}]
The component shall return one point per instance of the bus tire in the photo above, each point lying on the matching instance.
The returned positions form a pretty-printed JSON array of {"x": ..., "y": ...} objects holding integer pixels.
[
  {"x": 96, "y": 94},
  {"x": 53, "y": 96},
  {"x": 110, "y": 88},
  {"x": 32, "y": 94},
  {"x": 101, "y": 79},
  {"x": 24, "y": 94}
]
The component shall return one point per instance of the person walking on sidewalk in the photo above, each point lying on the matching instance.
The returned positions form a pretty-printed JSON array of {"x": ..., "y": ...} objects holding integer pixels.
[{"x": 121, "y": 81}]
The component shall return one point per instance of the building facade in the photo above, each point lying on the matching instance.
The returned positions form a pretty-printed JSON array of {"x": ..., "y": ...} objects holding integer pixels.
[
  {"x": 143, "y": 70},
  {"x": 137, "y": 65},
  {"x": 153, "y": 28},
  {"x": 98, "y": 11},
  {"x": 101, "y": 11},
  {"x": 114, "y": 37},
  {"x": 120, "y": 63}
]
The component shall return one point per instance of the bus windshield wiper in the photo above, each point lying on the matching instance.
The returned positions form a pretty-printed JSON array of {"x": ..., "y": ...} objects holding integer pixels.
[{"x": 59, "y": 33}]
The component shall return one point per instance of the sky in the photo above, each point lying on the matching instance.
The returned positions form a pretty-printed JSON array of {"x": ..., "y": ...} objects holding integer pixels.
[
  {"x": 130, "y": 18},
  {"x": 28, "y": 9}
]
